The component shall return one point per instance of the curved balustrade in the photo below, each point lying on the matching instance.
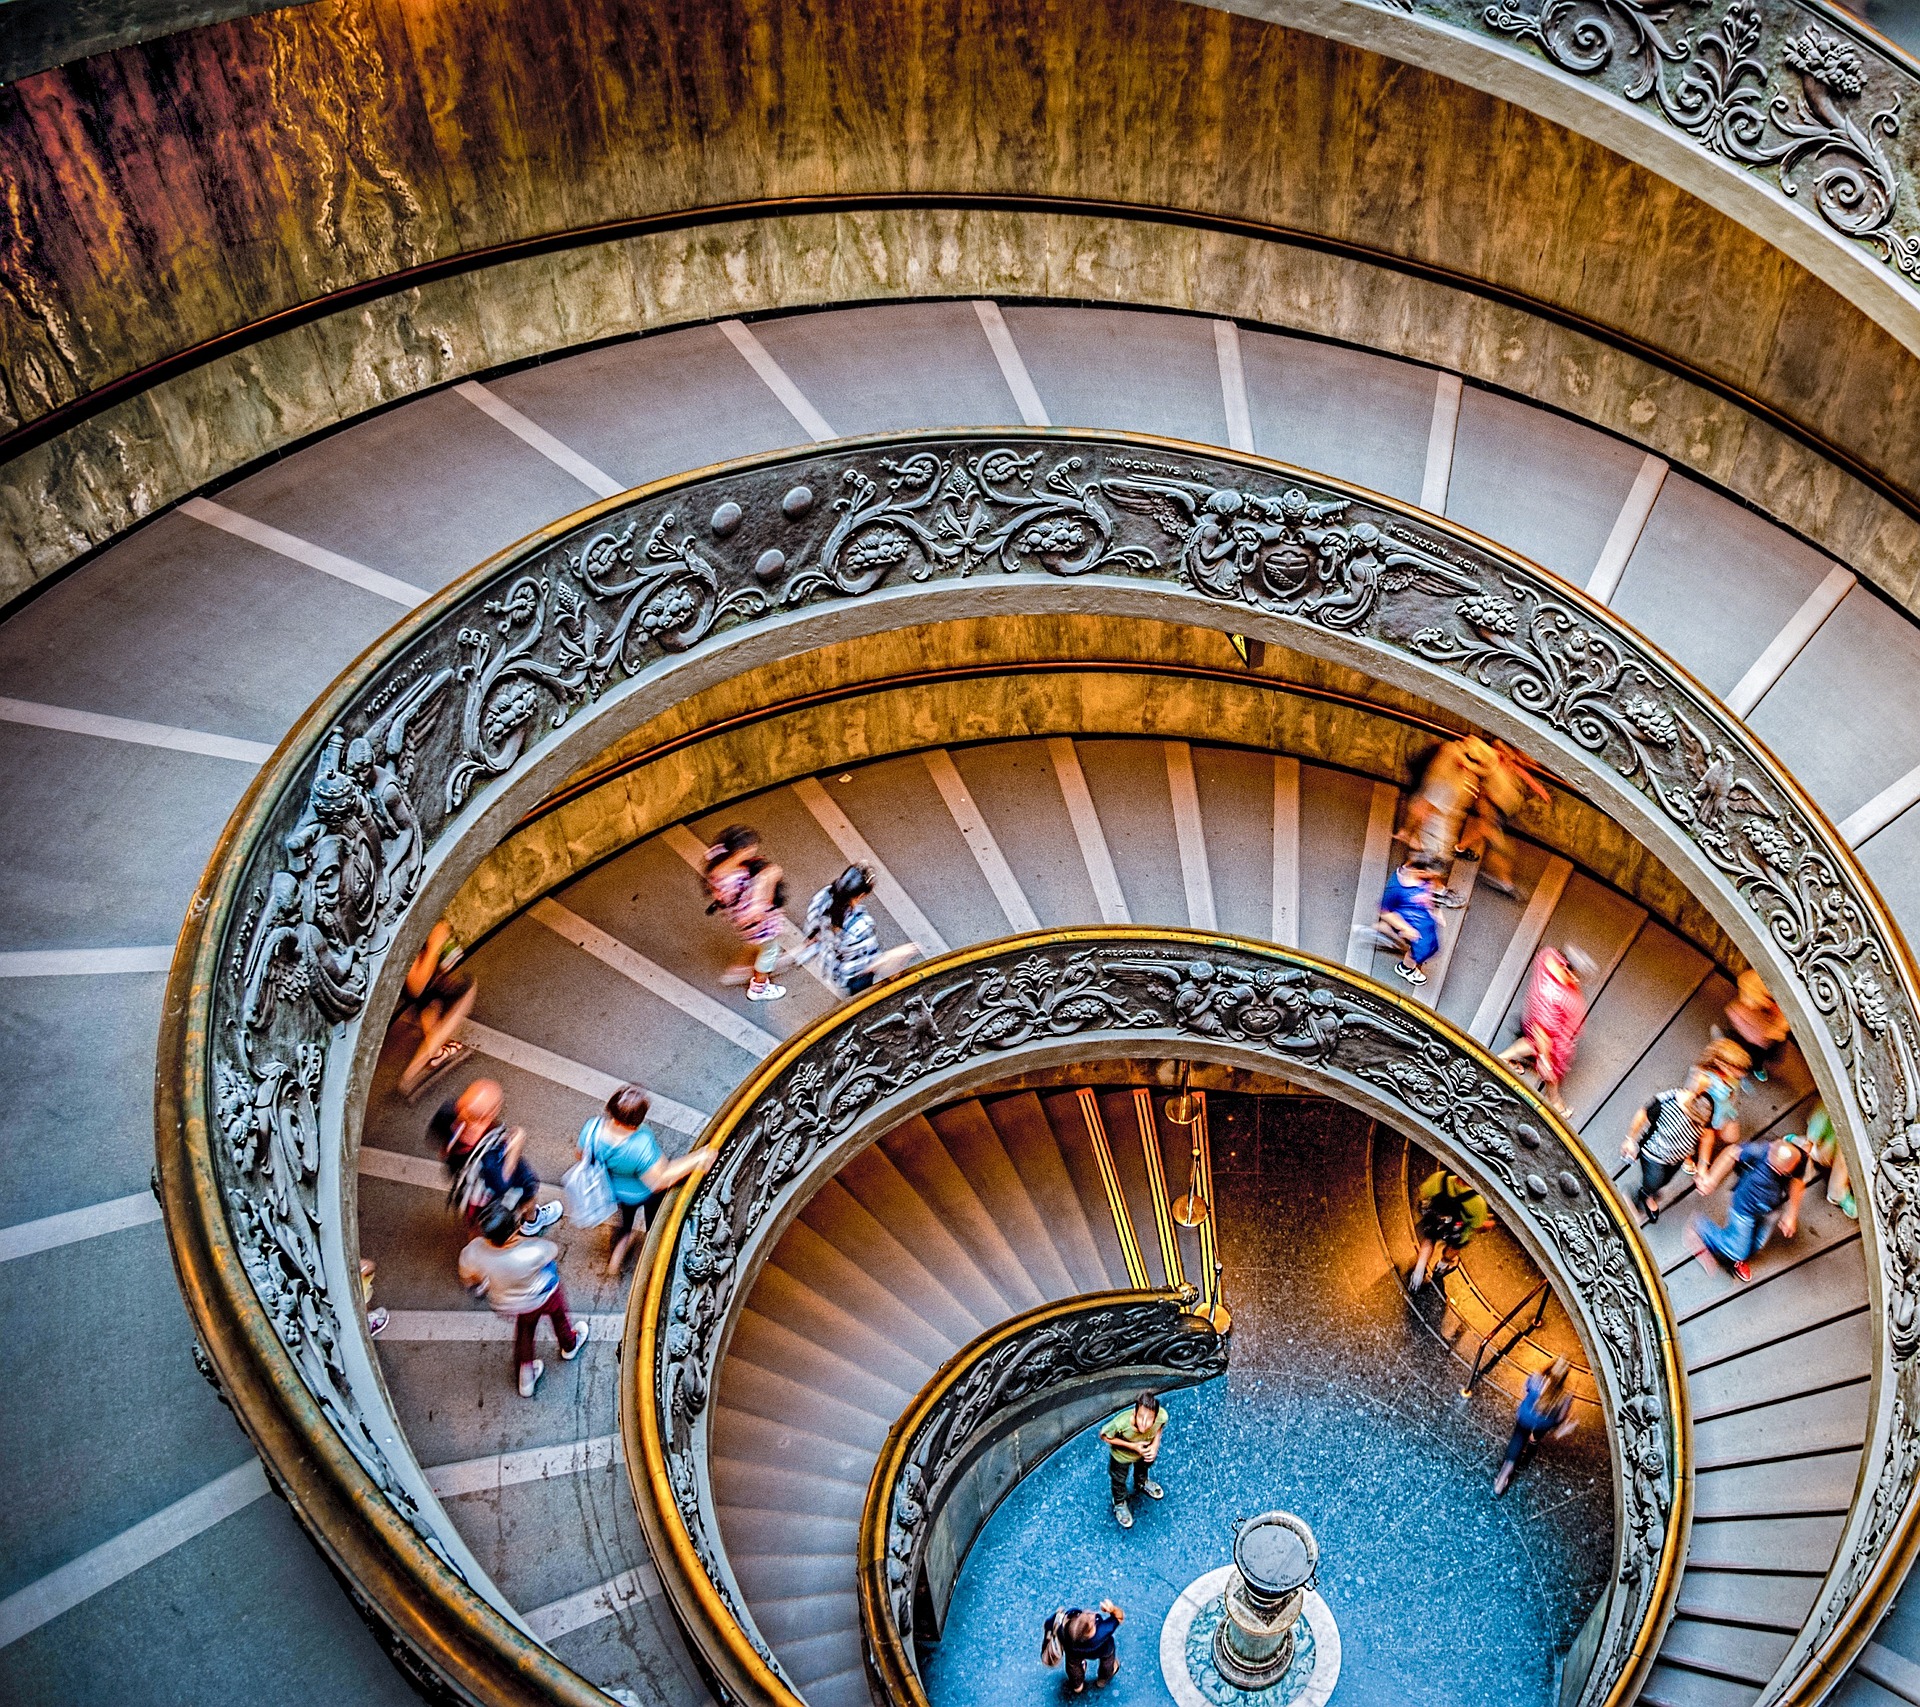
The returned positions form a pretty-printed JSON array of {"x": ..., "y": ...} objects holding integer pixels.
[
  {"x": 483, "y": 699},
  {"x": 1063, "y": 1364},
  {"x": 1795, "y": 92},
  {"x": 1082, "y": 995}
]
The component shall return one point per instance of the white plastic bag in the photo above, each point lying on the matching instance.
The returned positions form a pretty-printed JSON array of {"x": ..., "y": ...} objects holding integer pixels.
[{"x": 589, "y": 1193}]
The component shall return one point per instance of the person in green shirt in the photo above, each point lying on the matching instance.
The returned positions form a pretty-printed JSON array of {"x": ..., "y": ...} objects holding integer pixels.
[
  {"x": 1451, "y": 1212},
  {"x": 1133, "y": 1442}
]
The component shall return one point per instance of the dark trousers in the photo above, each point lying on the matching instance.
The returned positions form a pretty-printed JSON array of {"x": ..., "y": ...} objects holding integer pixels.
[
  {"x": 1520, "y": 1446},
  {"x": 1107, "y": 1656},
  {"x": 524, "y": 1326},
  {"x": 1121, "y": 1471},
  {"x": 1654, "y": 1176},
  {"x": 631, "y": 1212}
]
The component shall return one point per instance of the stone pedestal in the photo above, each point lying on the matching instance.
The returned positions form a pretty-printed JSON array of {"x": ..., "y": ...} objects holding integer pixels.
[{"x": 1275, "y": 1559}]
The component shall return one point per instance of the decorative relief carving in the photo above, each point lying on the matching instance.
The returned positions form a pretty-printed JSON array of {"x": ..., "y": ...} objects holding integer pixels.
[
  {"x": 1300, "y": 1014},
  {"x": 1141, "y": 1334},
  {"x": 459, "y": 701},
  {"x": 1778, "y": 87}
]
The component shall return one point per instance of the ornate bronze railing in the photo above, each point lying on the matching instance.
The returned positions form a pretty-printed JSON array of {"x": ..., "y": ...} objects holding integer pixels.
[
  {"x": 1047, "y": 1366},
  {"x": 477, "y": 704},
  {"x": 1088, "y": 994}
]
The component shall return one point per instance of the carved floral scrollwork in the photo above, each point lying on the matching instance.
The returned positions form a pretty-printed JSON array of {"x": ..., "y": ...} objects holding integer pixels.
[
  {"x": 1300, "y": 1014},
  {"x": 1773, "y": 86},
  {"x": 1144, "y": 1334}
]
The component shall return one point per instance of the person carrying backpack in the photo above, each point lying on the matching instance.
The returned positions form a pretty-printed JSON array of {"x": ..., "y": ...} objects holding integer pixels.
[
  {"x": 1451, "y": 1212},
  {"x": 842, "y": 938},
  {"x": 750, "y": 891},
  {"x": 487, "y": 1159}
]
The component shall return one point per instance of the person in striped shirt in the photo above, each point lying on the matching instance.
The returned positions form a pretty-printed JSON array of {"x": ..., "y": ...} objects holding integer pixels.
[
  {"x": 841, "y": 936},
  {"x": 1677, "y": 1127}
]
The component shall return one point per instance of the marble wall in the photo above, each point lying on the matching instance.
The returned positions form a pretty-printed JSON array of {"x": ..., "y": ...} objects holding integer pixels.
[{"x": 162, "y": 197}]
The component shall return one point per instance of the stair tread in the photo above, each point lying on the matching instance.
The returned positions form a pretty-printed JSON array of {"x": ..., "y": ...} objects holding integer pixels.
[
  {"x": 1838, "y": 1351},
  {"x": 816, "y": 1264},
  {"x": 744, "y": 1438},
  {"x": 946, "y": 1200},
  {"x": 869, "y": 1244},
  {"x": 1819, "y": 1484},
  {"x": 745, "y": 1386},
  {"x": 773, "y": 1345},
  {"x": 821, "y": 1321},
  {"x": 1029, "y": 1142},
  {"x": 1817, "y": 1422},
  {"x": 1747, "y": 1656}
]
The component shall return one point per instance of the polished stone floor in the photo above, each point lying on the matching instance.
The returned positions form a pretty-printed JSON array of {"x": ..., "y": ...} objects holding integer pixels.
[{"x": 1339, "y": 1406}]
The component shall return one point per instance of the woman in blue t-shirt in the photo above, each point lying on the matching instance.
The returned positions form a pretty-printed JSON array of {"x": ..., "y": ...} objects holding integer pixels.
[{"x": 622, "y": 1142}]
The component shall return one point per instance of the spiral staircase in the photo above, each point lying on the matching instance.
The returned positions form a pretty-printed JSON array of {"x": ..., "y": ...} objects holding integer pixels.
[{"x": 146, "y": 684}]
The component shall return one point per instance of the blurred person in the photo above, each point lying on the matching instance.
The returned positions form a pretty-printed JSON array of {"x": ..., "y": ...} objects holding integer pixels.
[
  {"x": 1506, "y": 779},
  {"x": 1409, "y": 918},
  {"x": 487, "y": 1158},
  {"x": 519, "y": 1276},
  {"x": 1824, "y": 1156},
  {"x": 841, "y": 936},
  {"x": 1665, "y": 1136},
  {"x": 1449, "y": 786},
  {"x": 377, "y": 1318},
  {"x": 438, "y": 1001},
  {"x": 620, "y": 1140},
  {"x": 1756, "y": 1019},
  {"x": 1552, "y": 1020},
  {"x": 1452, "y": 1211},
  {"x": 751, "y": 892},
  {"x": 1545, "y": 1412},
  {"x": 1724, "y": 1064},
  {"x": 1768, "y": 1183},
  {"x": 1072, "y": 1637},
  {"x": 1132, "y": 1439}
]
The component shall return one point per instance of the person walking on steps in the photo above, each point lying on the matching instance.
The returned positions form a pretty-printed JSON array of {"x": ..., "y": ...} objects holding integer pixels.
[
  {"x": 1757, "y": 1020},
  {"x": 750, "y": 891},
  {"x": 1666, "y": 1134},
  {"x": 842, "y": 939},
  {"x": 1449, "y": 787},
  {"x": 438, "y": 1001},
  {"x": 620, "y": 1140},
  {"x": 1505, "y": 782},
  {"x": 1769, "y": 1181},
  {"x": 1133, "y": 1439},
  {"x": 1072, "y": 1637},
  {"x": 487, "y": 1159},
  {"x": 519, "y": 1276},
  {"x": 1824, "y": 1156},
  {"x": 1554, "y": 1017},
  {"x": 1409, "y": 915},
  {"x": 1723, "y": 1064},
  {"x": 1451, "y": 1212},
  {"x": 1545, "y": 1411}
]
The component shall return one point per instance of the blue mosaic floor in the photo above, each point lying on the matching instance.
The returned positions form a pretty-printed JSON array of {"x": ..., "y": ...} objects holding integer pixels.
[{"x": 1340, "y": 1407}]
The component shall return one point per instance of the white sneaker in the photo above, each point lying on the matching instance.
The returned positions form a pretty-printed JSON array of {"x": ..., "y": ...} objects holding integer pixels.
[
  {"x": 544, "y": 1217},
  {"x": 765, "y": 992},
  {"x": 582, "y": 1332},
  {"x": 530, "y": 1374},
  {"x": 377, "y": 1322}
]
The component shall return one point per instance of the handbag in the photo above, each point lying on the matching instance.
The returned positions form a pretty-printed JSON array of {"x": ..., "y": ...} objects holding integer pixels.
[{"x": 588, "y": 1191}]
